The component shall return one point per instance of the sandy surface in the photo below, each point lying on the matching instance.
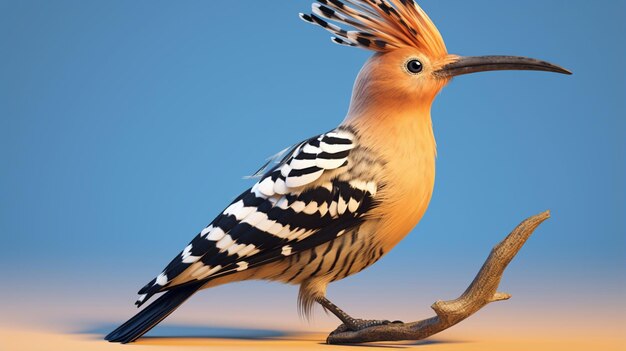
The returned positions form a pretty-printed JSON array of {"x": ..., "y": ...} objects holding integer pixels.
[{"x": 18, "y": 340}]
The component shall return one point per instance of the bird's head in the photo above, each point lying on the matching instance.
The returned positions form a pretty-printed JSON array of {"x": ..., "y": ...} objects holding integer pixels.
[{"x": 411, "y": 63}]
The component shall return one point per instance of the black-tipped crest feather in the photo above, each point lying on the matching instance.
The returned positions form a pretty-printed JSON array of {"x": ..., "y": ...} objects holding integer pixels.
[{"x": 379, "y": 25}]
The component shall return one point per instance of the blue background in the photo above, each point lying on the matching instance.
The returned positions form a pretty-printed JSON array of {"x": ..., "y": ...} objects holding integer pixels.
[{"x": 125, "y": 126}]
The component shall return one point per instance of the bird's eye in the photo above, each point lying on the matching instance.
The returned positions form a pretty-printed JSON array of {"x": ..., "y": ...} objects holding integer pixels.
[{"x": 414, "y": 66}]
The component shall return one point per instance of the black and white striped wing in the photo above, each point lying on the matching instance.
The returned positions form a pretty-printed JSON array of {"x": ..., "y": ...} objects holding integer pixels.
[{"x": 288, "y": 210}]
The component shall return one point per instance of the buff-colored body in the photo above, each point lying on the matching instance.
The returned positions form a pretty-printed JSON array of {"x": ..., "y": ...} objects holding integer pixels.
[{"x": 396, "y": 149}]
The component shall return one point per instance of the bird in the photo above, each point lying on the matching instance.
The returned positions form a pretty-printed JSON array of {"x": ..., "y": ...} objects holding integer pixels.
[{"x": 334, "y": 204}]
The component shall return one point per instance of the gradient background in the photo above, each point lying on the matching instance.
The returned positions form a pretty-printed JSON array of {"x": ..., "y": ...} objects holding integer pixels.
[{"x": 125, "y": 126}]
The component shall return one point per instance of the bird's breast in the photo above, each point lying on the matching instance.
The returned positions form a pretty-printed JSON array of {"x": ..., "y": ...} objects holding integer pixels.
[{"x": 406, "y": 152}]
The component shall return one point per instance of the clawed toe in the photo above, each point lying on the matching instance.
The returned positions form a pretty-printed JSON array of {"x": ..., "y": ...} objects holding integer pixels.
[{"x": 359, "y": 324}]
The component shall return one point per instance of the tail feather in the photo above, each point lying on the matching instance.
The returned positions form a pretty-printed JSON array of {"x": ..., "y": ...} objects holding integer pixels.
[{"x": 150, "y": 316}]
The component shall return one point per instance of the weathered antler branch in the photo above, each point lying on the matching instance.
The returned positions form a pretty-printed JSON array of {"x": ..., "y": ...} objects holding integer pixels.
[{"x": 481, "y": 291}]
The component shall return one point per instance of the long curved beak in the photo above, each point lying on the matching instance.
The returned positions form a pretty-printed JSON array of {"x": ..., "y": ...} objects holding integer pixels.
[{"x": 473, "y": 64}]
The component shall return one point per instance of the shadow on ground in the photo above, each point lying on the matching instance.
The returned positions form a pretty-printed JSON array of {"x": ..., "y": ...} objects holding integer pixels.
[
  {"x": 187, "y": 331},
  {"x": 210, "y": 335},
  {"x": 399, "y": 344}
]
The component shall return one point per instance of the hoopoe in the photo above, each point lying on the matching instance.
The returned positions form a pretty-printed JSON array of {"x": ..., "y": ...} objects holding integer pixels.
[{"x": 334, "y": 204}]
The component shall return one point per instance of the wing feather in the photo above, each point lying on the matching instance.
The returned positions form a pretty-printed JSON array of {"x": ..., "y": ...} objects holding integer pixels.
[{"x": 285, "y": 212}]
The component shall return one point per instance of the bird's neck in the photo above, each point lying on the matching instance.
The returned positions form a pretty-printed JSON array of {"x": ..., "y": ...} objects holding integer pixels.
[{"x": 404, "y": 128}]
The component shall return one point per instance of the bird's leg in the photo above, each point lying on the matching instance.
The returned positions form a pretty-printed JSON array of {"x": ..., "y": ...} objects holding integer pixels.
[{"x": 349, "y": 323}]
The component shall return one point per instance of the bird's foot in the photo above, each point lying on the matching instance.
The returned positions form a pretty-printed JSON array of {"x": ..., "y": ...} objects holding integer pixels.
[{"x": 356, "y": 324}]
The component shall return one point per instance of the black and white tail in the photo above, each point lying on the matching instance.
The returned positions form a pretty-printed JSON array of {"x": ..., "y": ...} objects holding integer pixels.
[{"x": 150, "y": 316}]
